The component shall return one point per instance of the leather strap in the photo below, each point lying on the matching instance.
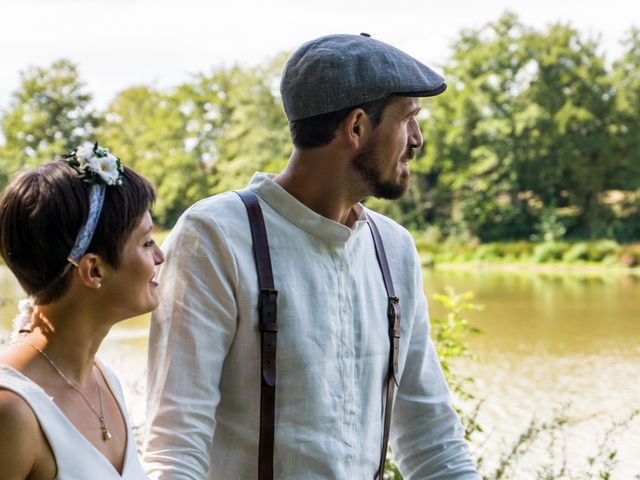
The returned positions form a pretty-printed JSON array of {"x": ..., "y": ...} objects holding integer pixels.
[
  {"x": 393, "y": 316},
  {"x": 267, "y": 314}
]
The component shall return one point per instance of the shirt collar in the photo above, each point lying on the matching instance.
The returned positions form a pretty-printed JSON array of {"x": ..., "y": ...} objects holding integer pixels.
[{"x": 301, "y": 215}]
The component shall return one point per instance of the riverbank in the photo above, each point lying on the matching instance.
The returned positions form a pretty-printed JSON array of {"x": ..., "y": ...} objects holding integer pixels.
[
  {"x": 579, "y": 257},
  {"x": 548, "y": 268}
]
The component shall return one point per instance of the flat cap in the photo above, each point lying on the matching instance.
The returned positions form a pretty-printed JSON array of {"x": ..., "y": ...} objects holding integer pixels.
[{"x": 339, "y": 71}]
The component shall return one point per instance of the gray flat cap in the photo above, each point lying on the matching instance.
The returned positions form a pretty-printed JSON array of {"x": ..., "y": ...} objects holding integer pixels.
[{"x": 339, "y": 71}]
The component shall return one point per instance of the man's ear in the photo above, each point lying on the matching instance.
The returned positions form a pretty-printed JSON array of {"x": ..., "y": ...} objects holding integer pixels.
[
  {"x": 356, "y": 128},
  {"x": 90, "y": 270}
]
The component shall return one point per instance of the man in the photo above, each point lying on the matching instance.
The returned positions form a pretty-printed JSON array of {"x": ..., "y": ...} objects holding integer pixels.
[{"x": 352, "y": 103}]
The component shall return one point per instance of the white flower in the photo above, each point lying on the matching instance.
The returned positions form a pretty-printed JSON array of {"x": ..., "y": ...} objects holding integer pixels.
[
  {"x": 22, "y": 321},
  {"x": 105, "y": 167},
  {"x": 84, "y": 152},
  {"x": 96, "y": 164}
]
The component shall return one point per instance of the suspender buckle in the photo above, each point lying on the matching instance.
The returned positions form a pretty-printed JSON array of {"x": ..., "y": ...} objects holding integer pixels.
[
  {"x": 267, "y": 305},
  {"x": 393, "y": 314}
]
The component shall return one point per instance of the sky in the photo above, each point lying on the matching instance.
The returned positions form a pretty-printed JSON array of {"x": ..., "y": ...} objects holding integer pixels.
[{"x": 120, "y": 43}]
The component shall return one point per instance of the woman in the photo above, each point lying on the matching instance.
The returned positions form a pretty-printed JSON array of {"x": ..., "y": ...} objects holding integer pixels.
[{"x": 77, "y": 235}]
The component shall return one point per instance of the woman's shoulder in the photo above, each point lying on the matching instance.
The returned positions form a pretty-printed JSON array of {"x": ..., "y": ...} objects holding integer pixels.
[
  {"x": 16, "y": 416},
  {"x": 20, "y": 435},
  {"x": 19, "y": 421}
]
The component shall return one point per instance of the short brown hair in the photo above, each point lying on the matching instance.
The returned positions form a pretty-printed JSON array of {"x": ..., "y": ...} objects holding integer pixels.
[
  {"x": 41, "y": 212},
  {"x": 313, "y": 132}
]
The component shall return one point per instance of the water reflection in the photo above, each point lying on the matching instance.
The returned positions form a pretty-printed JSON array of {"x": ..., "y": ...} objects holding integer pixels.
[
  {"x": 551, "y": 341},
  {"x": 548, "y": 340},
  {"x": 555, "y": 314}
]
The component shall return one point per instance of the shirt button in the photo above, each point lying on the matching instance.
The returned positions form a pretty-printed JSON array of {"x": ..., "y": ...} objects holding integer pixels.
[{"x": 347, "y": 353}]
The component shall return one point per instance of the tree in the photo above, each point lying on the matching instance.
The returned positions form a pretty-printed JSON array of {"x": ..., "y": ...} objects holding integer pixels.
[
  {"x": 571, "y": 160},
  {"x": 626, "y": 134},
  {"x": 626, "y": 81},
  {"x": 236, "y": 123},
  {"x": 472, "y": 143},
  {"x": 203, "y": 137},
  {"x": 48, "y": 115},
  {"x": 149, "y": 132},
  {"x": 524, "y": 133}
]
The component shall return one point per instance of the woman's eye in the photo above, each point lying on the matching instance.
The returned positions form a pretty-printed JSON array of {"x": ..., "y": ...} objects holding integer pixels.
[{"x": 149, "y": 243}]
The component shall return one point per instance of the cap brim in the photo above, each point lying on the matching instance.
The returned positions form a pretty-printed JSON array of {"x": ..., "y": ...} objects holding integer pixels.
[{"x": 425, "y": 93}]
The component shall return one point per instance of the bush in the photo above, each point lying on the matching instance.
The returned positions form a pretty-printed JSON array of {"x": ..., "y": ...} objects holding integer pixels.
[
  {"x": 578, "y": 251},
  {"x": 629, "y": 255},
  {"x": 549, "y": 252},
  {"x": 604, "y": 248},
  {"x": 517, "y": 250},
  {"x": 488, "y": 252}
]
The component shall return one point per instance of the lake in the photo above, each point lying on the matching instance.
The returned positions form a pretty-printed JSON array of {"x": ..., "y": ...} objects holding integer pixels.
[{"x": 550, "y": 342}]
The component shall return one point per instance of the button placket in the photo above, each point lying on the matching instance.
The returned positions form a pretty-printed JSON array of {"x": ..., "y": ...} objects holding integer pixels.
[
  {"x": 347, "y": 348},
  {"x": 344, "y": 364}
]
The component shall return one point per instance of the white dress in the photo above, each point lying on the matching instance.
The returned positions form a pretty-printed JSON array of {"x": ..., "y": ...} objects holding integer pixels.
[{"x": 76, "y": 457}]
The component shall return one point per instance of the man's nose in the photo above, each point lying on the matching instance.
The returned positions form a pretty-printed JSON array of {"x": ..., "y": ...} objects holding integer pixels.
[{"x": 415, "y": 136}]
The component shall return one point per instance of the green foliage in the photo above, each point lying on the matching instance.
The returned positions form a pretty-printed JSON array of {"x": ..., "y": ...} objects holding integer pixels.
[
  {"x": 550, "y": 228},
  {"x": 629, "y": 255},
  {"x": 449, "y": 335},
  {"x": 577, "y": 251},
  {"x": 549, "y": 252},
  {"x": 531, "y": 127},
  {"x": 536, "y": 137},
  {"x": 205, "y": 136},
  {"x": 236, "y": 123},
  {"x": 48, "y": 115},
  {"x": 603, "y": 253},
  {"x": 625, "y": 136},
  {"x": 146, "y": 129}
]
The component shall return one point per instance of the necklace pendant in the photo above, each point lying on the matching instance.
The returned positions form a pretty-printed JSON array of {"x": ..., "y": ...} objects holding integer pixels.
[{"x": 106, "y": 434}]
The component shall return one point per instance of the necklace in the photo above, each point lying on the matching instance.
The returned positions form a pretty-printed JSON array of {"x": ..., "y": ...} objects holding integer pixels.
[{"x": 106, "y": 434}]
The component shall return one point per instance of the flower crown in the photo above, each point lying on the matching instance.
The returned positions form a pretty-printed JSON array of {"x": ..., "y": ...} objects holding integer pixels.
[
  {"x": 95, "y": 164},
  {"x": 99, "y": 168}
]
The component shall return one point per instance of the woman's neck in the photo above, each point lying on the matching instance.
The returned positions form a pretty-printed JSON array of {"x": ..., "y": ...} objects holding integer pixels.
[{"x": 69, "y": 336}]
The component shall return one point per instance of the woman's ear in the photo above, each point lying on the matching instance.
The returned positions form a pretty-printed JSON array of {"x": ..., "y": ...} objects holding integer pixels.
[
  {"x": 90, "y": 270},
  {"x": 356, "y": 127}
]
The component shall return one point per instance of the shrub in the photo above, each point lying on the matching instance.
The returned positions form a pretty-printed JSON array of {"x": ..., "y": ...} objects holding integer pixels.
[
  {"x": 578, "y": 251},
  {"x": 549, "y": 252},
  {"x": 604, "y": 248},
  {"x": 629, "y": 255}
]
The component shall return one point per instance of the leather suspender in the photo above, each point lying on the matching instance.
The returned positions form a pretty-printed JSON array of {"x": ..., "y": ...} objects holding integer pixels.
[
  {"x": 393, "y": 316},
  {"x": 268, "y": 324},
  {"x": 269, "y": 328}
]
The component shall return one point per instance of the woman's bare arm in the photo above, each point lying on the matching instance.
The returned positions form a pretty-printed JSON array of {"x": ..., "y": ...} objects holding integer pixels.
[{"x": 20, "y": 438}]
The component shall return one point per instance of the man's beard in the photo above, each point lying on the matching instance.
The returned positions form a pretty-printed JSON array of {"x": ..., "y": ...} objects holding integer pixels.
[{"x": 369, "y": 168}]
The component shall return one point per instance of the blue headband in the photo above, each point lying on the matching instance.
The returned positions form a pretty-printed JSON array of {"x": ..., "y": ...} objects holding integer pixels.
[{"x": 99, "y": 168}]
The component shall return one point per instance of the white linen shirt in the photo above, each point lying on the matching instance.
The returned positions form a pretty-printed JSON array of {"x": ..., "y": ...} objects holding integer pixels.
[{"x": 333, "y": 346}]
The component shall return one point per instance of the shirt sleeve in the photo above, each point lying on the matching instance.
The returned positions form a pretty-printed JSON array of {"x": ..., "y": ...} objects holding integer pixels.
[
  {"x": 190, "y": 335},
  {"x": 426, "y": 436}
]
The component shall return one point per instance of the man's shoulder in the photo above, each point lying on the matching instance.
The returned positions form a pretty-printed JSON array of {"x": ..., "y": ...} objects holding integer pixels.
[
  {"x": 398, "y": 242},
  {"x": 389, "y": 228},
  {"x": 221, "y": 211},
  {"x": 216, "y": 217},
  {"x": 219, "y": 206}
]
